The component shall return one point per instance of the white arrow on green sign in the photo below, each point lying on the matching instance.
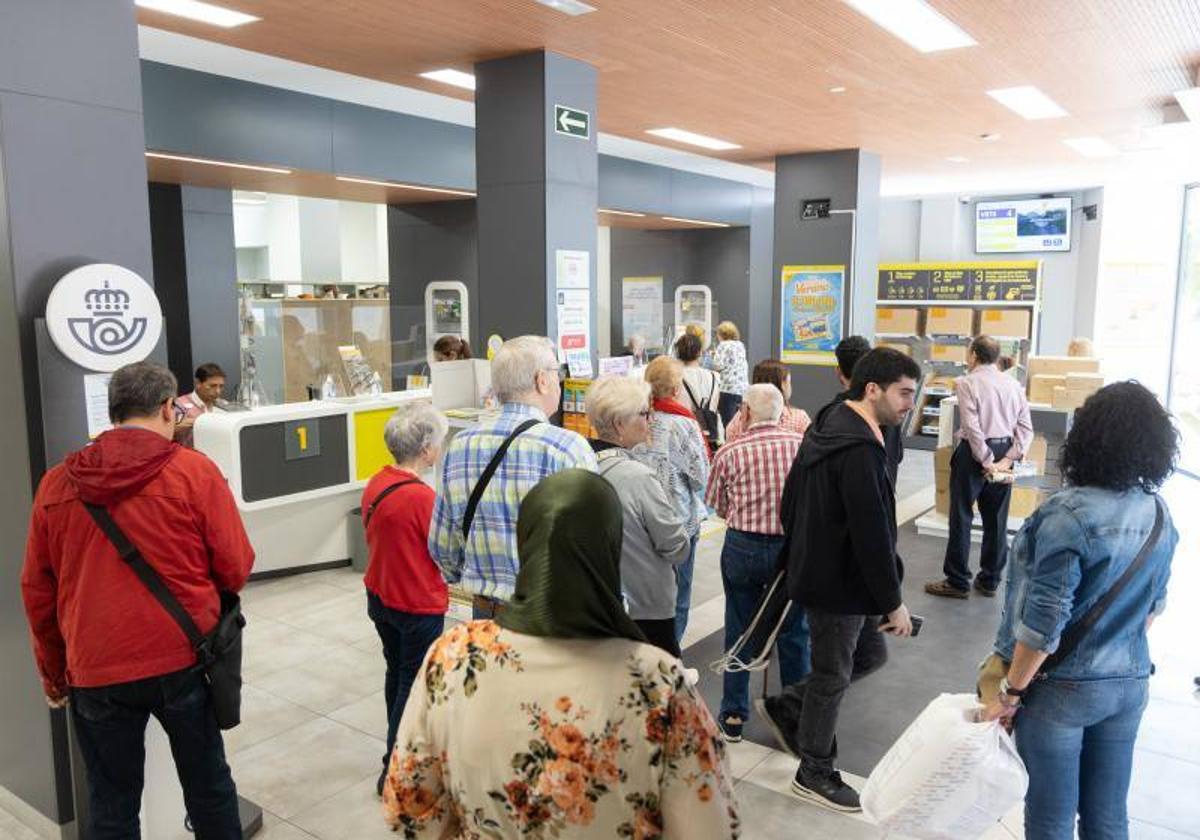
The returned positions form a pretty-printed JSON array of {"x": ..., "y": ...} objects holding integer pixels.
[{"x": 571, "y": 122}]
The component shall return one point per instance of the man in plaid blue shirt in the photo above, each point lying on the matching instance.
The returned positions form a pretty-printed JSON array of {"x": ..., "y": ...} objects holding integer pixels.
[{"x": 525, "y": 379}]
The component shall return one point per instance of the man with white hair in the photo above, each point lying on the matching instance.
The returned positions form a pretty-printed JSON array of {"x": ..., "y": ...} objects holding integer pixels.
[
  {"x": 745, "y": 487},
  {"x": 488, "y": 470}
]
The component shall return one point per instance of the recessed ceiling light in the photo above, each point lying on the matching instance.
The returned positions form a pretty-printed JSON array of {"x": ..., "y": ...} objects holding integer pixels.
[
  {"x": 195, "y": 10},
  {"x": 451, "y": 77},
  {"x": 395, "y": 185},
  {"x": 693, "y": 139},
  {"x": 574, "y": 8},
  {"x": 276, "y": 170},
  {"x": 621, "y": 213},
  {"x": 1029, "y": 102},
  {"x": 837, "y": 89},
  {"x": 957, "y": 159},
  {"x": 989, "y": 138},
  {"x": 916, "y": 23},
  {"x": 249, "y": 197},
  {"x": 1189, "y": 101},
  {"x": 694, "y": 221},
  {"x": 1093, "y": 147}
]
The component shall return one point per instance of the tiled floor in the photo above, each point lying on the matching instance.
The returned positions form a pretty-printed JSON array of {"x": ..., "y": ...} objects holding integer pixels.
[{"x": 312, "y": 736}]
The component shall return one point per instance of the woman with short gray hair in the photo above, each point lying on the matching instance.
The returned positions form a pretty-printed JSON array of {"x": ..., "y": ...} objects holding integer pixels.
[
  {"x": 406, "y": 596},
  {"x": 653, "y": 541}
]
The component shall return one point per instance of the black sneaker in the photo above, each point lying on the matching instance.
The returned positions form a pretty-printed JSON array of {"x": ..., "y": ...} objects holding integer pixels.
[
  {"x": 731, "y": 728},
  {"x": 826, "y": 790},
  {"x": 782, "y": 727},
  {"x": 987, "y": 591},
  {"x": 380, "y": 782}
]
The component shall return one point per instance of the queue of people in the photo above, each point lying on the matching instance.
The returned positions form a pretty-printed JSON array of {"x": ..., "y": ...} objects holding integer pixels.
[{"x": 563, "y": 707}]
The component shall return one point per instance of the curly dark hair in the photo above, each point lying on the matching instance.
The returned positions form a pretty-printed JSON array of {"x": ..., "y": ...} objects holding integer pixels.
[{"x": 1122, "y": 438}]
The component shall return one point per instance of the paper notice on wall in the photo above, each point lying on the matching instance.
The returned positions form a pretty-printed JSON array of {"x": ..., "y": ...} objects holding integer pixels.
[
  {"x": 579, "y": 363},
  {"x": 574, "y": 320},
  {"x": 616, "y": 365},
  {"x": 95, "y": 398},
  {"x": 571, "y": 269},
  {"x": 642, "y": 309}
]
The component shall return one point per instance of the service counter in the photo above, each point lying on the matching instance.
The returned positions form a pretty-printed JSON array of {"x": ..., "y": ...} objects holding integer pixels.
[{"x": 297, "y": 470}]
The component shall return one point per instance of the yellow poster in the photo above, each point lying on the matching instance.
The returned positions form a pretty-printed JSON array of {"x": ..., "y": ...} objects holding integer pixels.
[{"x": 811, "y": 316}]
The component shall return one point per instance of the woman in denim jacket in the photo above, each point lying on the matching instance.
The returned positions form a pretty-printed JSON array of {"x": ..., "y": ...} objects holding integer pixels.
[{"x": 1076, "y": 722}]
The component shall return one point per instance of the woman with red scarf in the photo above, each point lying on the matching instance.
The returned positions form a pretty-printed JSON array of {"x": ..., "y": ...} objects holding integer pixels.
[{"x": 679, "y": 457}]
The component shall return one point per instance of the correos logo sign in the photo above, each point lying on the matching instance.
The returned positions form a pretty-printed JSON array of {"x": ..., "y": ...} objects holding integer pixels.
[{"x": 103, "y": 316}]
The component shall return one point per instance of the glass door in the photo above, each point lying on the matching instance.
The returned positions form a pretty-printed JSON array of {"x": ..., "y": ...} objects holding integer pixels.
[{"x": 1185, "y": 362}]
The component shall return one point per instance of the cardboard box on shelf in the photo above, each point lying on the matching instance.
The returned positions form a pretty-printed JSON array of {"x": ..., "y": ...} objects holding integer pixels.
[
  {"x": 902, "y": 348},
  {"x": 894, "y": 321},
  {"x": 1041, "y": 387},
  {"x": 1068, "y": 399},
  {"x": 1024, "y": 501},
  {"x": 941, "y": 479},
  {"x": 1090, "y": 382},
  {"x": 941, "y": 500},
  {"x": 948, "y": 353},
  {"x": 1062, "y": 365},
  {"x": 1037, "y": 454},
  {"x": 941, "y": 460},
  {"x": 1005, "y": 323},
  {"x": 949, "y": 320}
]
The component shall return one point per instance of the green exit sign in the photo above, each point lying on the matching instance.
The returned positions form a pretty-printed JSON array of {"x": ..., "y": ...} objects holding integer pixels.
[{"x": 572, "y": 122}]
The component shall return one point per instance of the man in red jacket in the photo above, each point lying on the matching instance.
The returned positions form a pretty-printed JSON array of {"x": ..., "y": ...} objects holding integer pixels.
[{"x": 99, "y": 636}]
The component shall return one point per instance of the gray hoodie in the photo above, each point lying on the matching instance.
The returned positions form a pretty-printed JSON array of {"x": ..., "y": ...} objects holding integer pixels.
[{"x": 653, "y": 539}]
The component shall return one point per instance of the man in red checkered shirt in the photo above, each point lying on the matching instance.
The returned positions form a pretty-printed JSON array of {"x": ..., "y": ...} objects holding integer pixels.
[{"x": 745, "y": 486}]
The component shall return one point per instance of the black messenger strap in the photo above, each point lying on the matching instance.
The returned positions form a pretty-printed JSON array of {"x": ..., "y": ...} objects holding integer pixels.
[
  {"x": 146, "y": 574},
  {"x": 696, "y": 405},
  {"x": 488, "y": 472},
  {"x": 387, "y": 491},
  {"x": 1073, "y": 635}
]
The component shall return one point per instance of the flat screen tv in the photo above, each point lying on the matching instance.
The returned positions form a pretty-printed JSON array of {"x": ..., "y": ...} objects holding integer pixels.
[{"x": 1025, "y": 226}]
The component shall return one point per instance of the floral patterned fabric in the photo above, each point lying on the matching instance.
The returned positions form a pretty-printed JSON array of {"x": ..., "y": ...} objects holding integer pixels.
[{"x": 509, "y": 735}]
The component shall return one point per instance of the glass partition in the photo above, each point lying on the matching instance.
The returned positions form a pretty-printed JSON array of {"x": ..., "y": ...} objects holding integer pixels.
[{"x": 1185, "y": 362}]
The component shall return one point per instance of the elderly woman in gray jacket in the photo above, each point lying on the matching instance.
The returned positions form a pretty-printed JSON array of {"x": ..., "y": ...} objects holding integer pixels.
[{"x": 654, "y": 540}]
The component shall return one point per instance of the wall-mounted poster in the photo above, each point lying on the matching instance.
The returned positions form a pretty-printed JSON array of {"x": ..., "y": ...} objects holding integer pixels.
[
  {"x": 642, "y": 309},
  {"x": 811, "y": 322}
]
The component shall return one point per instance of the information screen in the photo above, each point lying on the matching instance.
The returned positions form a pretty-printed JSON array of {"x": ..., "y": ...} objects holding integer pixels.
[{"x": 1041, "y": 224}]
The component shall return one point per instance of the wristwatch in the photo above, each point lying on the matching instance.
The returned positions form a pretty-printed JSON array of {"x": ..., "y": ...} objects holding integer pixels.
[{"x": 1008, "y": 695}]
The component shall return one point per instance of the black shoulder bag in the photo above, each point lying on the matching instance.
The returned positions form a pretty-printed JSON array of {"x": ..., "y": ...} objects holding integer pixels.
[
  {"x": 488, "y": 472},
  {"x": 219, "y": 653},
  {"x": 387, "y": 491},
  {"x": 707, "y": 417}
]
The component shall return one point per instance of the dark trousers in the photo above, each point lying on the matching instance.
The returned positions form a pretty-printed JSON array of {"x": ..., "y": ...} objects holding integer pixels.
[
  {"x": 968, "y": 486},
  {"x": 660, "y": 632},
  {"x": 406, "y": 638},
  {"x": 727, "y": 406},
  {"x": 844, "y": 648},
  {"x": 483, "y": 607},
  {"x": 110, "y": 725}
]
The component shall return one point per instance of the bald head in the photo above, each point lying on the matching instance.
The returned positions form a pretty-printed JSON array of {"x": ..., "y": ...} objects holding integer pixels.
[
  {"x": 764, "y": 402},
  {"x": 985, "y": 349}
]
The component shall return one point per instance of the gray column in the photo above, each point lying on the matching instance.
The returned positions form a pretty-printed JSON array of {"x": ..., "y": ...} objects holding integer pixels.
[
  {"x": 537, "y": 188},
  {"x": 849, "y": 178},
  {"x": 74, "y": 192}
]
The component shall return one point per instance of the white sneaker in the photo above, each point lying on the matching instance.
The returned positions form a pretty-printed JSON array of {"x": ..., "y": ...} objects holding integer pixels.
[{"x": 691, "y": 675}]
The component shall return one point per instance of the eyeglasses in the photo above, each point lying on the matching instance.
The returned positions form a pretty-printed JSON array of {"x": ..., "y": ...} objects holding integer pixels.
[{"x": 646, "y": 414}]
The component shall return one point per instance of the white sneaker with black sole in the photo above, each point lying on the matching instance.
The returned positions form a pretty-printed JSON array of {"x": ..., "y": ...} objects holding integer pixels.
[{"x": 827, "y": 791}]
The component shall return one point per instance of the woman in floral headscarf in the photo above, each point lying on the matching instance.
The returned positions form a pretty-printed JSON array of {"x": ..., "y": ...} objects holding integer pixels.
[{"x": 557, "y": 719}]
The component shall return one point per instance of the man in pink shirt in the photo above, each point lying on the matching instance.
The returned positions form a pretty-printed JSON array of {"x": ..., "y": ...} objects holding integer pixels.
[
  {"x": 210, "y": 385},
  {"x": 995, "y": 432}
]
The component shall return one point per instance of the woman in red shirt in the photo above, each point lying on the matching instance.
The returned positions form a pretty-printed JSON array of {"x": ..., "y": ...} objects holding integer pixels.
[{"x": 407, "y": 598}]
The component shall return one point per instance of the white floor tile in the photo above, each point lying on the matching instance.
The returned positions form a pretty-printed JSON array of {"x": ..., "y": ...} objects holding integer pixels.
[
  {"x": 328, "y": 680},
  {"x": 354, "y": 813},
  {"x": 277, "y": 828},
  {"x": 366, "y": 715},
  {"x": 264, "y": 715},
  {"x": 292, "y": 596},
  {"x": 744, "y": 756}
]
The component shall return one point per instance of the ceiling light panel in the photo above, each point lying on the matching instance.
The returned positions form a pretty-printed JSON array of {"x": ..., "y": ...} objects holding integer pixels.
[
  {"x": 693, "y": 139},
  {"x": 195, "y": 10},
  {"x": 1093, "y": 147},
  {"x": 275, "y": 170},
  {"x": 916, "y": 23},
  {"x": 451, "y": 77},
  {"x": 622, "y": 213},
  {"x": 1029, "y": 102},
  {"x": 574, "y": 8},
  {"x": 397, "y": 186},
  {"x": 695, "y": 222},
  {"x": 1189, "y": 101}
]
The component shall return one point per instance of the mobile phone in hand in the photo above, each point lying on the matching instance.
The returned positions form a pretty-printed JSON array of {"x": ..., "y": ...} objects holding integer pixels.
[{"x": 916, "y": 621}]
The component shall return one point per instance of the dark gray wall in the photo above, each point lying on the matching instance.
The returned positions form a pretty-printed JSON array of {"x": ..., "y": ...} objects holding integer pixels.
[
  {"x": 646, "y": 188},
  {"x": 427, "y": 243},
  {"x": 850, "y": 179},
  {"x": 760, "y": 342},
  {"x": 212, "y": 291},
  {"x": 170, "y": 274},
  {"x": 74, "y": 192},
  {"x": 718, "y": 258}
]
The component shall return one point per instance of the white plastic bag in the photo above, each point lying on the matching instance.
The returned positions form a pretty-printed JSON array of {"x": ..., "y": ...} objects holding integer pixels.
[{"x": 947, "y": 777}]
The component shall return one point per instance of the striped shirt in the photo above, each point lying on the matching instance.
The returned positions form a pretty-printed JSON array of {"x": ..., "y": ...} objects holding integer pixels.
[
  {"x": 486, "y": 564},
  {"x": 748, "y": 475},
  {"x": 793, "y": 420}
]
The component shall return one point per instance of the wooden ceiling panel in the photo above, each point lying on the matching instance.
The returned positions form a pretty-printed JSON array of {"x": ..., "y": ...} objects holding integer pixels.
[{"x": 759, "y": 74}]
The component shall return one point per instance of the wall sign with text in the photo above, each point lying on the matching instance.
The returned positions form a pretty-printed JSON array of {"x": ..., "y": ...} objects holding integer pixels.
[
  {"x": 103, "y": 316},
  {"x": 984, "y": 282}
]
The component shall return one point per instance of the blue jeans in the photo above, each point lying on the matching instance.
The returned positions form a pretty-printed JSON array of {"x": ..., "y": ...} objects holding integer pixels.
[
  {"x": 110, "y": 725},
  {"x": 748, "y": 566},
  {"x": 1076, "y": 739},
  {"x": 406, "y": 638},
  {"x": 683, "y": 590}
]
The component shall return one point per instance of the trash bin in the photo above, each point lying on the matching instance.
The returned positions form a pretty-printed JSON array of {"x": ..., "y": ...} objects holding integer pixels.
[{"x": 358, "y": 541}]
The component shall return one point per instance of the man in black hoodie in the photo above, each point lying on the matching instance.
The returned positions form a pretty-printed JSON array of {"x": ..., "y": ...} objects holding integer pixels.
[{"x": 839, "y": 515}]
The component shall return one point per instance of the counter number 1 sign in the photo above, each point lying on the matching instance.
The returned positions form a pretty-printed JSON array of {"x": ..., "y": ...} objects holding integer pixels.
[
  {"x": 572, "y": 122},
  {"x": 301, "y": 439}
]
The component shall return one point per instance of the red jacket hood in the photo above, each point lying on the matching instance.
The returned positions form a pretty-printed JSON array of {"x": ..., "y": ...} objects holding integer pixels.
[{"x": 118, "y": 464}]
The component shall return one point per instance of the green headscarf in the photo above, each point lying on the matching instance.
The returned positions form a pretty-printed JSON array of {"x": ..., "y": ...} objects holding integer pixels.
[{"x": 569, "y": 542}]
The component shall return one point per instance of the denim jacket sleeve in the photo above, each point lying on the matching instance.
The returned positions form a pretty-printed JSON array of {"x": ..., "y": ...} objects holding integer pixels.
[{"x": 1058, "y": 549}]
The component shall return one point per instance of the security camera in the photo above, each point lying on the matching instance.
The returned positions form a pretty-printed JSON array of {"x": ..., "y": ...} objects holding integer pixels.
[{"x": 964, "y": 199}]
